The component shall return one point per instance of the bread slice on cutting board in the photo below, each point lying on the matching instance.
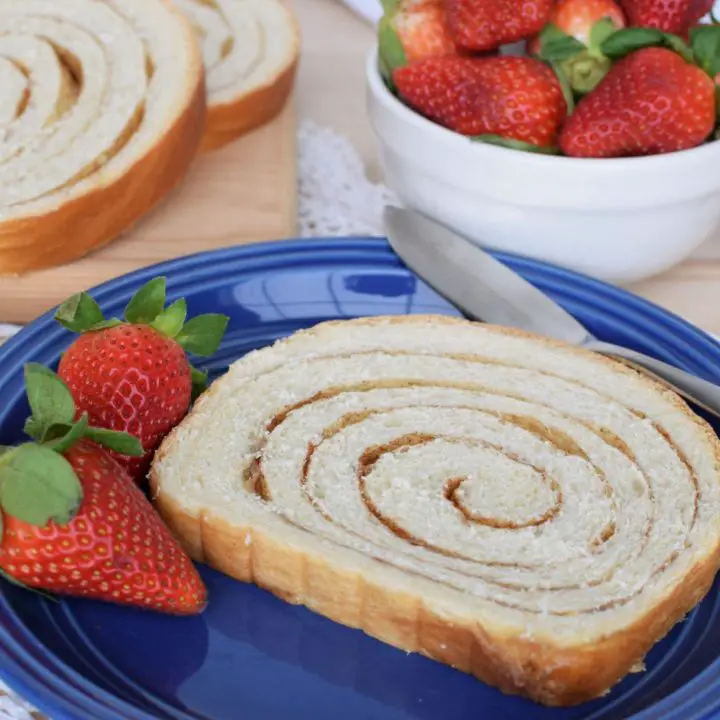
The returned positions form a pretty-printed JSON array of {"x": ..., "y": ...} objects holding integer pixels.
[
  {"x": 102, "y": 110},
  {"x": 251, "y": 50},
  {"x": 530, "y": 513}
]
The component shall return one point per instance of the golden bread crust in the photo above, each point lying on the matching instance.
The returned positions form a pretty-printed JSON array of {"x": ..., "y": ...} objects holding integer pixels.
[
  {"x": 107, "y": 209},
  {"x": 227, "y": 122},
  {"x": 555, "y": 675}
]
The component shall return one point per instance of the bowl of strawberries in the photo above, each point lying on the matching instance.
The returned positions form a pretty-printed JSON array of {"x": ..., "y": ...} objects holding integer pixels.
[{"x": 580, "y": 132}]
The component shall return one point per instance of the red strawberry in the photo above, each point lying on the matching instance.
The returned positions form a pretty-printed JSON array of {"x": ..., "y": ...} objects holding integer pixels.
[
  {"x": 74, "y": 523},
  {"x": 673, "y": 16},
  {"x": 134, "y": 376},
  {"x": 421, "y": 27},
  {"x": 516, "y": 98},
  {"x": 488, "y": 24},
  {"x": 652, "y": 101},
  {"x": 130, "y": 378},
  {"x": 577, "y": 18},
  {"x": 116, "y": 548}
]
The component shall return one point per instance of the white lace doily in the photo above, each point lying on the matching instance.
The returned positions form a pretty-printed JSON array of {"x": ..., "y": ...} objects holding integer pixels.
[{"x": 335, "y": 199}]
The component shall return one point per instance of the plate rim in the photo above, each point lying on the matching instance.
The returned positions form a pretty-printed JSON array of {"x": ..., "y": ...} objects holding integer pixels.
[{"x": 104, "y": 705}]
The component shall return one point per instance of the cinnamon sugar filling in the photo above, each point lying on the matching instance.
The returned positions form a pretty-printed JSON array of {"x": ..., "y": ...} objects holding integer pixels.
[{"x": 452, "y": 487}]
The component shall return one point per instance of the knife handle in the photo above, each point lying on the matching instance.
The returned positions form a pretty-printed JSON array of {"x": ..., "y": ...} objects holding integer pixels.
[{"x": 701, "y": 392}]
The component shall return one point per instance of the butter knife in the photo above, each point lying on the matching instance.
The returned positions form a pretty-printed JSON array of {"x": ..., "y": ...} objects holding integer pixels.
[{"x": 485, "y": 289}]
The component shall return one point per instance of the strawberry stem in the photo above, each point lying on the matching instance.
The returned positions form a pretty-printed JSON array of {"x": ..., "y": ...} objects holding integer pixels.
[
  {"x": 579, "y": 68},
  {"x": 585, "y": 71}
]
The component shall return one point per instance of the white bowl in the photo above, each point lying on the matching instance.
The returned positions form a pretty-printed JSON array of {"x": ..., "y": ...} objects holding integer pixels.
[{"x": 620, "y": 220}]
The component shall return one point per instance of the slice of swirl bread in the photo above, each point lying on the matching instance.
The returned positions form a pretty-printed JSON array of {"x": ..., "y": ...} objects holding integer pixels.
[
  {"x": 101, "y": 112},
  {"x": 525, "y": 511},
  {"x": 251, "y": 50}
]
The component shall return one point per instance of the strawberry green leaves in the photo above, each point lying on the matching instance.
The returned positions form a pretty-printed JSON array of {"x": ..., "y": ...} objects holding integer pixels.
[
  {"x": 565, "y": 84},
  {"x": 199, "y": 336},
  {"x": 391, "y": 54},
  {"x": 628, "y": 40},
  {"x": 52, "y": 423},
  {"x": 557, "y": 45},
  {"x": 50, "y": 401},
  {"x": 37, "y": 485},
  {"x": 513, "y": 144},
  {"x": 600, "y": 32},
  {"x": 119, "y": 442},
  {"x": 147, "y": 303},
  {"x": 199, "y": 382},
  {"x": 580, "y": 68},
  {"x": 202, "y": 335},
  {"x": 80, "y": 313},
  {"x": 171, "y": 320},
  {"x": 63, "y": 437},
  {"x": 705, "y": 43}
]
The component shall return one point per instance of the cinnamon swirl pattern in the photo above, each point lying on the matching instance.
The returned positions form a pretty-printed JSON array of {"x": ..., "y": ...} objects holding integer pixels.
[
  {"x": 101, "y": 112},
  {"x": 522, "y": 510},
  {"x": 250, "y": 49}
]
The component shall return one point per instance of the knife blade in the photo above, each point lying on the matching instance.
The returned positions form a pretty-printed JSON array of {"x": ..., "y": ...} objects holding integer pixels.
[
  {"x": 485, "y": 289},
  {"x": 477, "y": 284}
]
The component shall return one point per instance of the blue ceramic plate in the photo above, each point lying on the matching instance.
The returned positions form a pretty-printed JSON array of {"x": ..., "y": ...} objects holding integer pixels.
[{"x": 253, "y": 657}]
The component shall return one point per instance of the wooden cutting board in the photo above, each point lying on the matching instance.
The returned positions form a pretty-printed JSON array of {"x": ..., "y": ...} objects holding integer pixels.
[{"x": 243, "y": 193}]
